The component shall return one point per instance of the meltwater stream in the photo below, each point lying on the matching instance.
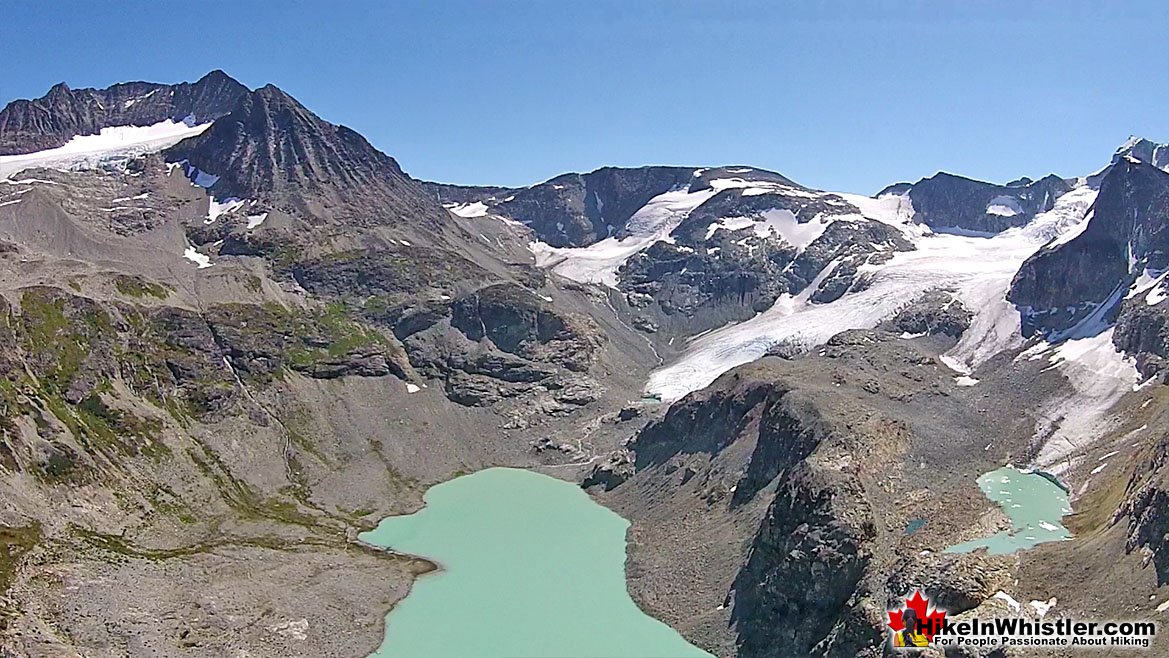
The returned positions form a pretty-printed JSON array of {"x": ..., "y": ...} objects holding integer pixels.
[{"x": 531, "y": 567}]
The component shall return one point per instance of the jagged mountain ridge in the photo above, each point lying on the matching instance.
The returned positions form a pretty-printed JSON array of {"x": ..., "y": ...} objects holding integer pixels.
[
  {"x": 945, "y": 201},
  {"x": 63, "y": 113}
]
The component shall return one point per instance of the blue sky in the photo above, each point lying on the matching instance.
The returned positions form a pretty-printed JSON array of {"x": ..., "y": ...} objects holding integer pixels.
[{"x": 842, "y": 96}]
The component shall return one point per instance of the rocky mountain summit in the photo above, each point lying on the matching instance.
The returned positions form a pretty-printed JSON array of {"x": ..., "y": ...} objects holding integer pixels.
[
  {"x": 270, "y": 149},
  {"x": 227, "y": 350},
  {"x": 948, "y": 202}
]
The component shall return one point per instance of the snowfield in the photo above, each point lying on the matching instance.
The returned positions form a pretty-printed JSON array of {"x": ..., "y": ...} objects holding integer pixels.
[
  {"x": 87, "y": 151},
  {"x": 978, "y": 269},
  {"x": 477, "y": 209}
]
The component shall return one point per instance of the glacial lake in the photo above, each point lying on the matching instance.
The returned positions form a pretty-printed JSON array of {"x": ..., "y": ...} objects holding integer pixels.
[
  {"x": 1035, "y": 505},
  {"x": 531, "y": 567}
]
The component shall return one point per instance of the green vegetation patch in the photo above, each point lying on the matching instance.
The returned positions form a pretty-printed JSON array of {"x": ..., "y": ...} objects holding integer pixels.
[
  {"x": 14, "y": 543},
  {"x": 136, "y": 286}
]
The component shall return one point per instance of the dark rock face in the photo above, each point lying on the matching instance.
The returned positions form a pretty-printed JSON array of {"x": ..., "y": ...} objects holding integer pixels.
[
  {"x": 1146, "y": 509},
  {"x": 809, "y": 553},
  {"x": 385, "y": 273},
  {"x": 53, "y": 119},
  {"x": 936, "y": 313},
  {"x": 271, "y": 149},
  {"x": 854, "y": 243},
  {"x": 735, "y": 274},
  {"x": 1061, "y": 285},
  {"x": 1143, "y": 331},
  {"x": 460, "y": 194},
  {"x": 805, "y": 564},
  {"x": 700, "y": 288},
  {"x": 949, "y": 201},
  {"x": 518, "y": 322},
  {"x": 575, "y": 210}
]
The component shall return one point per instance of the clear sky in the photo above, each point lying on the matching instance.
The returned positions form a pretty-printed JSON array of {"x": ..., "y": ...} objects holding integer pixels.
[{"x": 841, "y": 96}]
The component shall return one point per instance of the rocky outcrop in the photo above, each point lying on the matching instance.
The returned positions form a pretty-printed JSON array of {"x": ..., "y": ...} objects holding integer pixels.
[
  {"x": 385, "y": 274},
  {"x": 694, "y": 290},
  {"x": 737, "y": 273},
  {"x": 55, "y": 118},
  {"x": 936, "y": 313},
  {"x": 575, "y": 210},
  {"x": 1142, "y": 330},
  {"x": 948, "y": 201},
  {"x": 806, "y": 564},
  {"x": 518, "y": 322},
  {"x": 455, "y": 195}
]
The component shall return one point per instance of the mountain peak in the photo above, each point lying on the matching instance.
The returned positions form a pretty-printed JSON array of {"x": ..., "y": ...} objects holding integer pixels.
[
  {"x": 59, "y": 89},
  {"x": 271, "y": 148},
  {"x": 1144, "y": 150},
  {"x": 217, "y": 75}
]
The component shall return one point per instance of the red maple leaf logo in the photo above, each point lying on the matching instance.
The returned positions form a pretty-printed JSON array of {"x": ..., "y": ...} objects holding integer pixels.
[{"x": 930, "y": 618}]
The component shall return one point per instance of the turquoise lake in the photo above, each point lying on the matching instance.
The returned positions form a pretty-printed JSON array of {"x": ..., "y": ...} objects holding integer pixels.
[
  {"x": 531, "y": 567},
  {"x": 1035, "y": 505}
]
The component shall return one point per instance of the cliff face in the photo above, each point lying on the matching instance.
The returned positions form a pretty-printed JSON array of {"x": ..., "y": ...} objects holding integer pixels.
[
  {"x": 949, "y": 201},
  {"x": 50, "y": 121},
  {"x": 1066, "y": 282}
]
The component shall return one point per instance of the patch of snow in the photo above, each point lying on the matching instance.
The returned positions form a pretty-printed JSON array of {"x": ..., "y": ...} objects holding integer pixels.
[
  {"x": 202, "y": 260},
  {"x": 144, "y": 195},
  {"x": 599, "y": 262},
  {"x": 1005, "y": 206},
  {"x": 1099, "y": 376},
  {"x": 781, "y": 222},
  {"x": 202, "y": 178},
  {"x": 1164, "y": 606},
  {"x": 965, "y": 381},
  {"x": 1099, "y": 468},
  {"x": 217, "y": 208},
  {"x": 10, "y": 203},
  {"x": 256, "y": 220},
  {"x": 1157, "y": 295},
  {"x": 1044, "y": 607},
  {"x": 955, "y": 365},
  {"x": 1144, "y": 282},
  {"x": 1010, "y": 600},
  {"x": 413, "y": 388},
  {"x": 87, "y": 151},
  {"x": 477, "y": 209}
]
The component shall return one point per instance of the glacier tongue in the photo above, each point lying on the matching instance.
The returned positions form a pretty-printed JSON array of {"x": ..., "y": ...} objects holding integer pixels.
[{"x": 978, "y": 269}]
